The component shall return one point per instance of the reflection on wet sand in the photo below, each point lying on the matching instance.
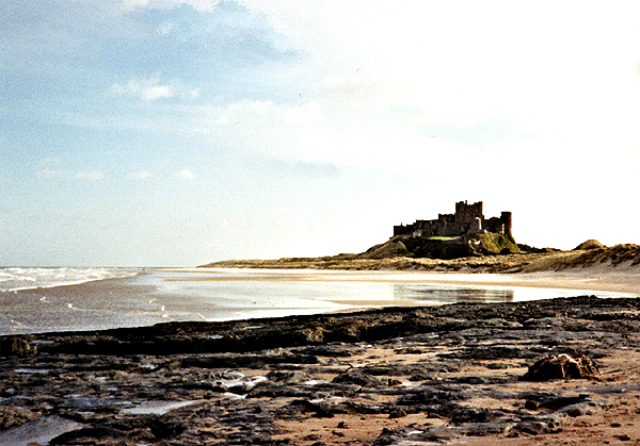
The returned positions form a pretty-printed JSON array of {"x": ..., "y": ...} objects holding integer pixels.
[{"x": 451, "y": 294}]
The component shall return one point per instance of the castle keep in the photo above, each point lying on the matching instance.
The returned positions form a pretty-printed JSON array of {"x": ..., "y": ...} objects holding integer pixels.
[{"x": 468, "y": 219}]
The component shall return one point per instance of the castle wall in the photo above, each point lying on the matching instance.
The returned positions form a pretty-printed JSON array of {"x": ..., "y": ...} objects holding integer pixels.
[{"x": 468, "y": 218}]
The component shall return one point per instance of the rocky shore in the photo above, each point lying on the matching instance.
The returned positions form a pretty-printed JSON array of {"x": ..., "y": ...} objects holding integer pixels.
[{"x": 399, "y": 376}]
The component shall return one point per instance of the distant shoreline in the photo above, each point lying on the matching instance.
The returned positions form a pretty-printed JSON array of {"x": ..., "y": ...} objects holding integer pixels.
[{"x": 614, "y": 269}]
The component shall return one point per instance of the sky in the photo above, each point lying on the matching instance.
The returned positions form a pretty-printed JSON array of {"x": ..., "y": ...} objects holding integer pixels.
[{"x": 180, "y": 132}]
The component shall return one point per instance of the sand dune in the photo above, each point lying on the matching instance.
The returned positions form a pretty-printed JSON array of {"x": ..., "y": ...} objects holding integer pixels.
[{"x": 614, "y": 269}]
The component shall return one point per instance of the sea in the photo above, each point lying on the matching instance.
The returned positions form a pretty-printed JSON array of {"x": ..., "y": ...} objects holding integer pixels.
[{"x": 36, "y": 300}]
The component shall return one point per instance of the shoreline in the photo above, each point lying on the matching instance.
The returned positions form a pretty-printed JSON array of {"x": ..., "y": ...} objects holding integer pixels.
[
  {"x": 592, "y": 278},
  {"x": 183, "y": 294}
]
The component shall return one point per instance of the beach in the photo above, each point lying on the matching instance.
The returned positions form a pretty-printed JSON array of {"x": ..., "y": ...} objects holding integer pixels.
[
  {"x": 373, "y": 372},
  {"x": 449, "y": 374}
]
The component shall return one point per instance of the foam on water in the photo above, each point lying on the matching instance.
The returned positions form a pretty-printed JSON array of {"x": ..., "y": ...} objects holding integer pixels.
[{"x": 23, "y": 278}]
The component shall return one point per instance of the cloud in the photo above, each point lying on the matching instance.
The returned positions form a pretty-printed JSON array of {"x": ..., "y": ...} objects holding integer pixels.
[
  {"x": 151, "y": 89},
  {"x": 321, "y": 133},
  {"x": 199, "y": 5},
  {"x": 146, "y": 89},
  {"x": 268, "y": 115},
  {"x": 91, "y": 175},
  {"x": 471, "y": 62},
  {"x": 49, "y": 161},
  {"x": 355, "y": 90},
  {"x": 313, "y": 170},
  {"x": 141, "y": 175},
  {"x": 185, "y": 175},
  {"x": 48, "y": 174},
  {"x": 153, "y": 92}
]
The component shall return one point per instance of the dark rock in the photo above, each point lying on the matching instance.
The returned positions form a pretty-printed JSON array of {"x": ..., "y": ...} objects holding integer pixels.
[
  {"x": 399, "y": 369},
  {"x": 419, "y": 377},
  {"x": 88, "y": 436},
  {"x": 576, "y": 410},
  {"x": 536, "y": 401},
  {"x": 410, "y": 351},
  {"x": 469, "y": 415},
  {"x": 333, "y": 350},
  {"x": 493, "y": 352},
  {"x": 561, "y": 366},
  {"x": 535, "y": 426},
  {"x": 11, "y": 416},
  {"x": 294, "y": 377},
  {"x": 18, "y": 346},
  {"x": 398, "y": 413},
  {"x": 278, "y": 390},
  {"x": 168, "y": 429},
  {"x": 358, "y": 377},
  {"x": 308, "y": 406},
  {"x": 479, "y": 380}
]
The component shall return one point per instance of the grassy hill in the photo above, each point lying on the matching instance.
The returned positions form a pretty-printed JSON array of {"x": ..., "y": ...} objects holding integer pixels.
[{"x": 443, "y": 247}]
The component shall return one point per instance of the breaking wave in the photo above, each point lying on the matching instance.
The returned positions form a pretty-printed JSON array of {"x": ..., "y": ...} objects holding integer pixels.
[{"x": 23, "y": 278}]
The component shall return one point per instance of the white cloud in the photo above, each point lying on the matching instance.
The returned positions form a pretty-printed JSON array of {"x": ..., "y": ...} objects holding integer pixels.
[
  {"x": 318, "y": 132},
  {"x": 354, "y": 90},
  {"x": 48, "y": 174},
  {"x": 151, "y": 89},
  {"x": 185, "y": 174},
  {"x": 199, "y": 5},
  {"x": 268, "y": 114},
  {"x": 49, "y": 161},
  {"x": 166, "y": 28},
  {"x": 141, "y": 175},
  {"x": 153, "y": 92},
  {"x": 91, "y": 175},
  {"x": 533, "y": 65}
]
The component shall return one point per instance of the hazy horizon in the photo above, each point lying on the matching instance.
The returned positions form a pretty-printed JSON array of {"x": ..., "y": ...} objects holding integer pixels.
[{"x": 181, "y": 132}]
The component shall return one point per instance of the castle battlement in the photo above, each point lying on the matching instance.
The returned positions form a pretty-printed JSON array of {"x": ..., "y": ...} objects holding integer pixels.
[{"x": 467, "y": 219}]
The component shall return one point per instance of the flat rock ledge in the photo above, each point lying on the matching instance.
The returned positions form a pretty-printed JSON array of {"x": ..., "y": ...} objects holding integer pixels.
[{"x": 399, "y": 376}]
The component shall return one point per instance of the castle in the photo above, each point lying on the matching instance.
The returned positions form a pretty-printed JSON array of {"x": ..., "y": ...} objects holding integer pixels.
[{"x": 467, "y": 219}]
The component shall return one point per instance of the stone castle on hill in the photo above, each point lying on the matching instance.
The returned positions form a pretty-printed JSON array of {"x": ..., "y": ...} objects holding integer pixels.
[{"x": 468, "y": 219}]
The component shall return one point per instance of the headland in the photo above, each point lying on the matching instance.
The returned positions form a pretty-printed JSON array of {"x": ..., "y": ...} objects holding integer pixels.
[{"x": 615, "y": 268}]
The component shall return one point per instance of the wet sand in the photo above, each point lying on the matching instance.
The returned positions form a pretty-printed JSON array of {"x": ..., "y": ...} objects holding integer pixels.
[
  {"x": 202, "y": 294},
  {"x": 621, "y": 280}
]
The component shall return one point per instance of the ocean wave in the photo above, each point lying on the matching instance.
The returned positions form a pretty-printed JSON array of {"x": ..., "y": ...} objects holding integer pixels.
[{"x": 24, "y": 278}]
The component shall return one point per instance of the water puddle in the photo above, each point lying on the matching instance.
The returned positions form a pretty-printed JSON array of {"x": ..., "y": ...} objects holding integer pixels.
[
  {"x": 29, "y": 371},
  {"x": 157, "y": 407},
  {"x": 236, "y": 382},
  {"x": 38, "y": 432}
]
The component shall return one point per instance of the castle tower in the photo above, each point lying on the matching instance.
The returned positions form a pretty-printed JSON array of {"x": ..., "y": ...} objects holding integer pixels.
[
  {"x": 468, "y": 212},
  {"x": 507, "y": 222}
]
